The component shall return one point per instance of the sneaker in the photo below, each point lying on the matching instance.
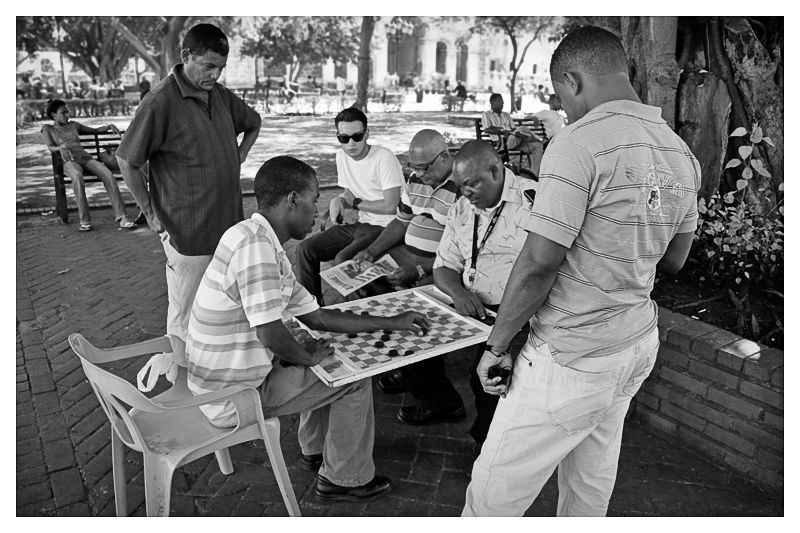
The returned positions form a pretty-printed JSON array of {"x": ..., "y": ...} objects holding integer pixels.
[
  {"x": 311, "y": 462},
  {"x": 327, "y": 491},
  {"x": 391, "y": 383},
  {"x": 417, "y": 415}
]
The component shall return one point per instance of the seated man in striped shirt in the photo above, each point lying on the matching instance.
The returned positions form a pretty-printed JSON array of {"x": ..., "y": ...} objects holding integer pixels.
[
  {"x": 237, "y": 336},
  {"x": 412, "y": 239}
]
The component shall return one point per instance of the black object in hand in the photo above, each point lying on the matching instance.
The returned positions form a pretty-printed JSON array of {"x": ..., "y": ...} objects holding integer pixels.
[{"x": 503, "y": 371}]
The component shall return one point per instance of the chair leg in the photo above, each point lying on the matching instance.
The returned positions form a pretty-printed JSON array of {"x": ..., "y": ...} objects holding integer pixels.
[
  {"x": 157, "y": 484},
  {"x": 224, "y": 460},
  {"x": 272, "y": 439},
  {"x": 118, "y": 471}
]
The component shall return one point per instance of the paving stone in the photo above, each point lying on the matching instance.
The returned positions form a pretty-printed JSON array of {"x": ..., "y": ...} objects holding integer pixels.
[{"x": 67, "y": 487}]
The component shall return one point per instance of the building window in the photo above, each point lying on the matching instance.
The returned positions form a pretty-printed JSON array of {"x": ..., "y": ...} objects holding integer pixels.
[
  {"x": 461, "y": 62},
  {"x": 441, "y": 57},
  {"x": 492, "y": 65}
]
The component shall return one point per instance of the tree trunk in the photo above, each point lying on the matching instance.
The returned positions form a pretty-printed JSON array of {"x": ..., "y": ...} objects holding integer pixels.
[
  {"x": 762, "y": 96},
  {"x": 367, "y": 27},
  {"x": 703, "y": 110},
  {"x": 169, "y": 56}
]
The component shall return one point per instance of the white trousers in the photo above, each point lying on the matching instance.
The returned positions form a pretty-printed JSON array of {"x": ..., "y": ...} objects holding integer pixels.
[
  {"x": 184, "y": 273},
  {"x": 569, "y": 417}
]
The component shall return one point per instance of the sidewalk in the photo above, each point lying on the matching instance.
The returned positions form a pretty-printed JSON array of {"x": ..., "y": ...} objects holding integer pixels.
[{"x": 109, "y": 285}]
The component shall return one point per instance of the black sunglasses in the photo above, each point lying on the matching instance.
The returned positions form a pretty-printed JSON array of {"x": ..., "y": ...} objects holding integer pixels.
[{"x": 357, "y": 137}]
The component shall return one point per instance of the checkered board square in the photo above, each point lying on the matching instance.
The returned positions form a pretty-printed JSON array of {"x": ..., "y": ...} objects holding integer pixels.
[{"x": 358, "y": 356}]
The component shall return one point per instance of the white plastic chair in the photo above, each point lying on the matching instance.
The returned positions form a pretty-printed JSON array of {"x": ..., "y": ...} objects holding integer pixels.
[{"x": 170, "y": 429}]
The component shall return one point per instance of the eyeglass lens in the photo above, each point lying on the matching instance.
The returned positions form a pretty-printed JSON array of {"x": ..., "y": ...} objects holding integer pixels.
[{"x": 344, "y": 139}]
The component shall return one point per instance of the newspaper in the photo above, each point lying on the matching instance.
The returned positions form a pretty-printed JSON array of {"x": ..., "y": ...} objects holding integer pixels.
[{"x": 350, "y": 276}]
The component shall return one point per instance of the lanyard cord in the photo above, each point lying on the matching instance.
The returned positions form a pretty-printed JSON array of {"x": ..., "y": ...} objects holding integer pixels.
[{"x": 476, "y": 248}]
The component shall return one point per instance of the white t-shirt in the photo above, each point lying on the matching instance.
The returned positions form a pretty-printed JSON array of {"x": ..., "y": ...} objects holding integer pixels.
[
  {"x": 553, "y": 122},
  {"x": 369, "y": 177}
]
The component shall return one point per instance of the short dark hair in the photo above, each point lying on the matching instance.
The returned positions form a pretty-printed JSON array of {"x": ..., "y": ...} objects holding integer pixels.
[
  {"x": 494, "y": 97},
  {"x": 204, "y": 37},
  {"x": 54, "y": 106},
  {"x": 590, "y": 50},
  {"x": 351, "y": 114},
  {"x": 279, "y": 176}
]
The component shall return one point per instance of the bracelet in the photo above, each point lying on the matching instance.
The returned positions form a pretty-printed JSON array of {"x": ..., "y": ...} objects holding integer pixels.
[
  {"x": 420, "y": 272},
  {"x": 498, "y": 354}
]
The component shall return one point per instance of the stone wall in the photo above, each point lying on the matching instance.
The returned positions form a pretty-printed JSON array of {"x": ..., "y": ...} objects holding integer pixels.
[{"x": 718, "y": 393}]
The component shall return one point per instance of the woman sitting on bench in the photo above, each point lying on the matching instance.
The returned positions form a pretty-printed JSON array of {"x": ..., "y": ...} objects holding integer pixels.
[{"x": 63, "y": 136}]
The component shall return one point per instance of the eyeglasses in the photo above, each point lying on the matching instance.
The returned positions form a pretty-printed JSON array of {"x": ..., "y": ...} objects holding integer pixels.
[
  {"x": 357, "y": 137},
  {"x": 420, "y": 170}
]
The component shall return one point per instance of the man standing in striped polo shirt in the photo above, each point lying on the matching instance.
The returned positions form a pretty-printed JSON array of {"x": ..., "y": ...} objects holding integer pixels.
[{"x": 616, "y": 200}]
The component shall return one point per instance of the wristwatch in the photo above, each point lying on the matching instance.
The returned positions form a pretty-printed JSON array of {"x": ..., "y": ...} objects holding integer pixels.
[
  {"x": 420, "y": 272},
  {"x": 356, "y": 201}
]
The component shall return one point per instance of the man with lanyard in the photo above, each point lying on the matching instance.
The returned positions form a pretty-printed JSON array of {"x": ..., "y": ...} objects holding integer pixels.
[
  {"x": 371, "y": 177},
  {"x": 617, "y": 198},
  {"x": 186, "y": 128},
  {"x": 484, "y": 234},
  {"x": 411, "y": 240}
]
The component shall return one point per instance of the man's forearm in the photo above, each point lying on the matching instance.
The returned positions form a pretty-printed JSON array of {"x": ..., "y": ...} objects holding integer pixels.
[
  {"x": 337, "y": 321},
  {"x": 248, "y": 140},
  {"x": 390, "y": 237},
  {"x": 279, "y": 341},
  {"x": 136, "y": 180},
  {"x": 379, "y": 207},
  {"x": 524, "y": 294},
  {"x": 448, "y": 281}
]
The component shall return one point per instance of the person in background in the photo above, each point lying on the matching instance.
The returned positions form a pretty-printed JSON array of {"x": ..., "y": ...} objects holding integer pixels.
[
  {"x": 550, "y": 118},
  {"x": 63, "y": 136}
]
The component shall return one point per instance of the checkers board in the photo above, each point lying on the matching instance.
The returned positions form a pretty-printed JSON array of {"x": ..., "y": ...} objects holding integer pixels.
[{"x": 357, "y": 356}]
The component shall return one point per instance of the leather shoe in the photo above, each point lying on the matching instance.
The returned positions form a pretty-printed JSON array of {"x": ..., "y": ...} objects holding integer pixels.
[
  {"x": 311, "y": 462},
  {"x": 417, "y": 415},
  {"x": 327, "y": 491},
  {"x": 391, "y": 383}
]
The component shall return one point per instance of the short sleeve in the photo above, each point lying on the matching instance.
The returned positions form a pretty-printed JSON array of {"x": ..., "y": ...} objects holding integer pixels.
[
  {"x": 562, "y": 196},
  {"x": 244, "y": 117},
  {"x": 690, "y": 221},
  {"x": 448, "y": 253},
  {"x": 390, "y": 173},
  {"x": 255, "y": 274},
  {"x": 145, "y": 134},
  {"x": 404, "y": 211},
  {"x": 301, "y": 302}
]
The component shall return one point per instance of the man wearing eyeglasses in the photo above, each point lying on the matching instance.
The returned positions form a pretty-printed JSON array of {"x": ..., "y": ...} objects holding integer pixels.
[
  {"x": 371, "y": 177},
  {"x": 411, "y": 240}
]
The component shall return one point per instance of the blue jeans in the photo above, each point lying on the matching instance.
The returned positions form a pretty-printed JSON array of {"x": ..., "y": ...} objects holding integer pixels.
[
  {"x": 569, "y": 417},
  {"x": 338, "y": 244}
]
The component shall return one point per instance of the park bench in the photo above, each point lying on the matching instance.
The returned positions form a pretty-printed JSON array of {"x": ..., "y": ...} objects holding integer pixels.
[
  {"x": 532, "y": 123},
  {"x": 94, "y": 144}
]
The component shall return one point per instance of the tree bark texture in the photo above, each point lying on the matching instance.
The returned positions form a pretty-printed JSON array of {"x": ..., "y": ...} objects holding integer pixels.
[
  {"x": 367, "y": 28},
  {"x": 754, "y": 72},
  {"x": 703, "y": 111}
]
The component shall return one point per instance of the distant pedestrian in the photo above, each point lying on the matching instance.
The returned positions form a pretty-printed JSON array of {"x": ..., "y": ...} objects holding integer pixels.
[{"x": 144, "y": 88}]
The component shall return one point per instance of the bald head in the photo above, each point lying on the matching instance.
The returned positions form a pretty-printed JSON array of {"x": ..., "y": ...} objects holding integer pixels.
[
  {"x": 425, "y": 145},
  {"x": 477, "y": 154}
]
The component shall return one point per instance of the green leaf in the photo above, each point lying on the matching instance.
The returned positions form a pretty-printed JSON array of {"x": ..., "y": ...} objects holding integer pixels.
[
  {"x": 728, "y": 198},
  {"x": 780, "y": 187},
  {"x": 757, "y": 135},
  {"x": 768, "y": 141},
  {"x": 738, "y": 132},
  {"x": 741, "y": 184},
  {"x": 733, "y": 163},
  {"x": 710, "y": 253},
  {"x": 745, "y": 151},
  {"x": 747, "y": 173}
]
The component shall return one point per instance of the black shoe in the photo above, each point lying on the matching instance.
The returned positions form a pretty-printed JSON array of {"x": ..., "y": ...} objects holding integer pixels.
[
  {"x": 417, "y": 415},
  {"x": 326, "y": 491},
  {"x": 391, "y": 383},
  {"x": 311, "y": 462}
]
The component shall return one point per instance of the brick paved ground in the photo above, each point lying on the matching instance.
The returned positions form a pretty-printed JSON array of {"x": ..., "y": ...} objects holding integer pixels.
[{"x": 109, "y": 285}]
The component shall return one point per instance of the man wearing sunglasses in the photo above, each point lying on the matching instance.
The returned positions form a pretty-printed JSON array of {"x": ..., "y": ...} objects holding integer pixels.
[
  {"x": 412, "y": 240},
  {"x": 371, "y": 177}
]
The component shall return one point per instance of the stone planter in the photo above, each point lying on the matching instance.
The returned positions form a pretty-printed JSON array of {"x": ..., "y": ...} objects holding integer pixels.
[{"x": 718, "y": 393}]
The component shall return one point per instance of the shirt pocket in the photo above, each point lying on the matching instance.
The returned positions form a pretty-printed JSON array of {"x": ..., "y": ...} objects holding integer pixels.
[{"x": 578, "y": 400}]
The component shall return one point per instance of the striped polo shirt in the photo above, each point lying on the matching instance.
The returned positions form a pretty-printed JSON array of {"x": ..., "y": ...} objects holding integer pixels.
[
  {"x": 189, "y": 138},
  {"x": 615, "y": 187},
  {"x": 424, "y": 209},
  {"x": 249, "y": 282}
]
